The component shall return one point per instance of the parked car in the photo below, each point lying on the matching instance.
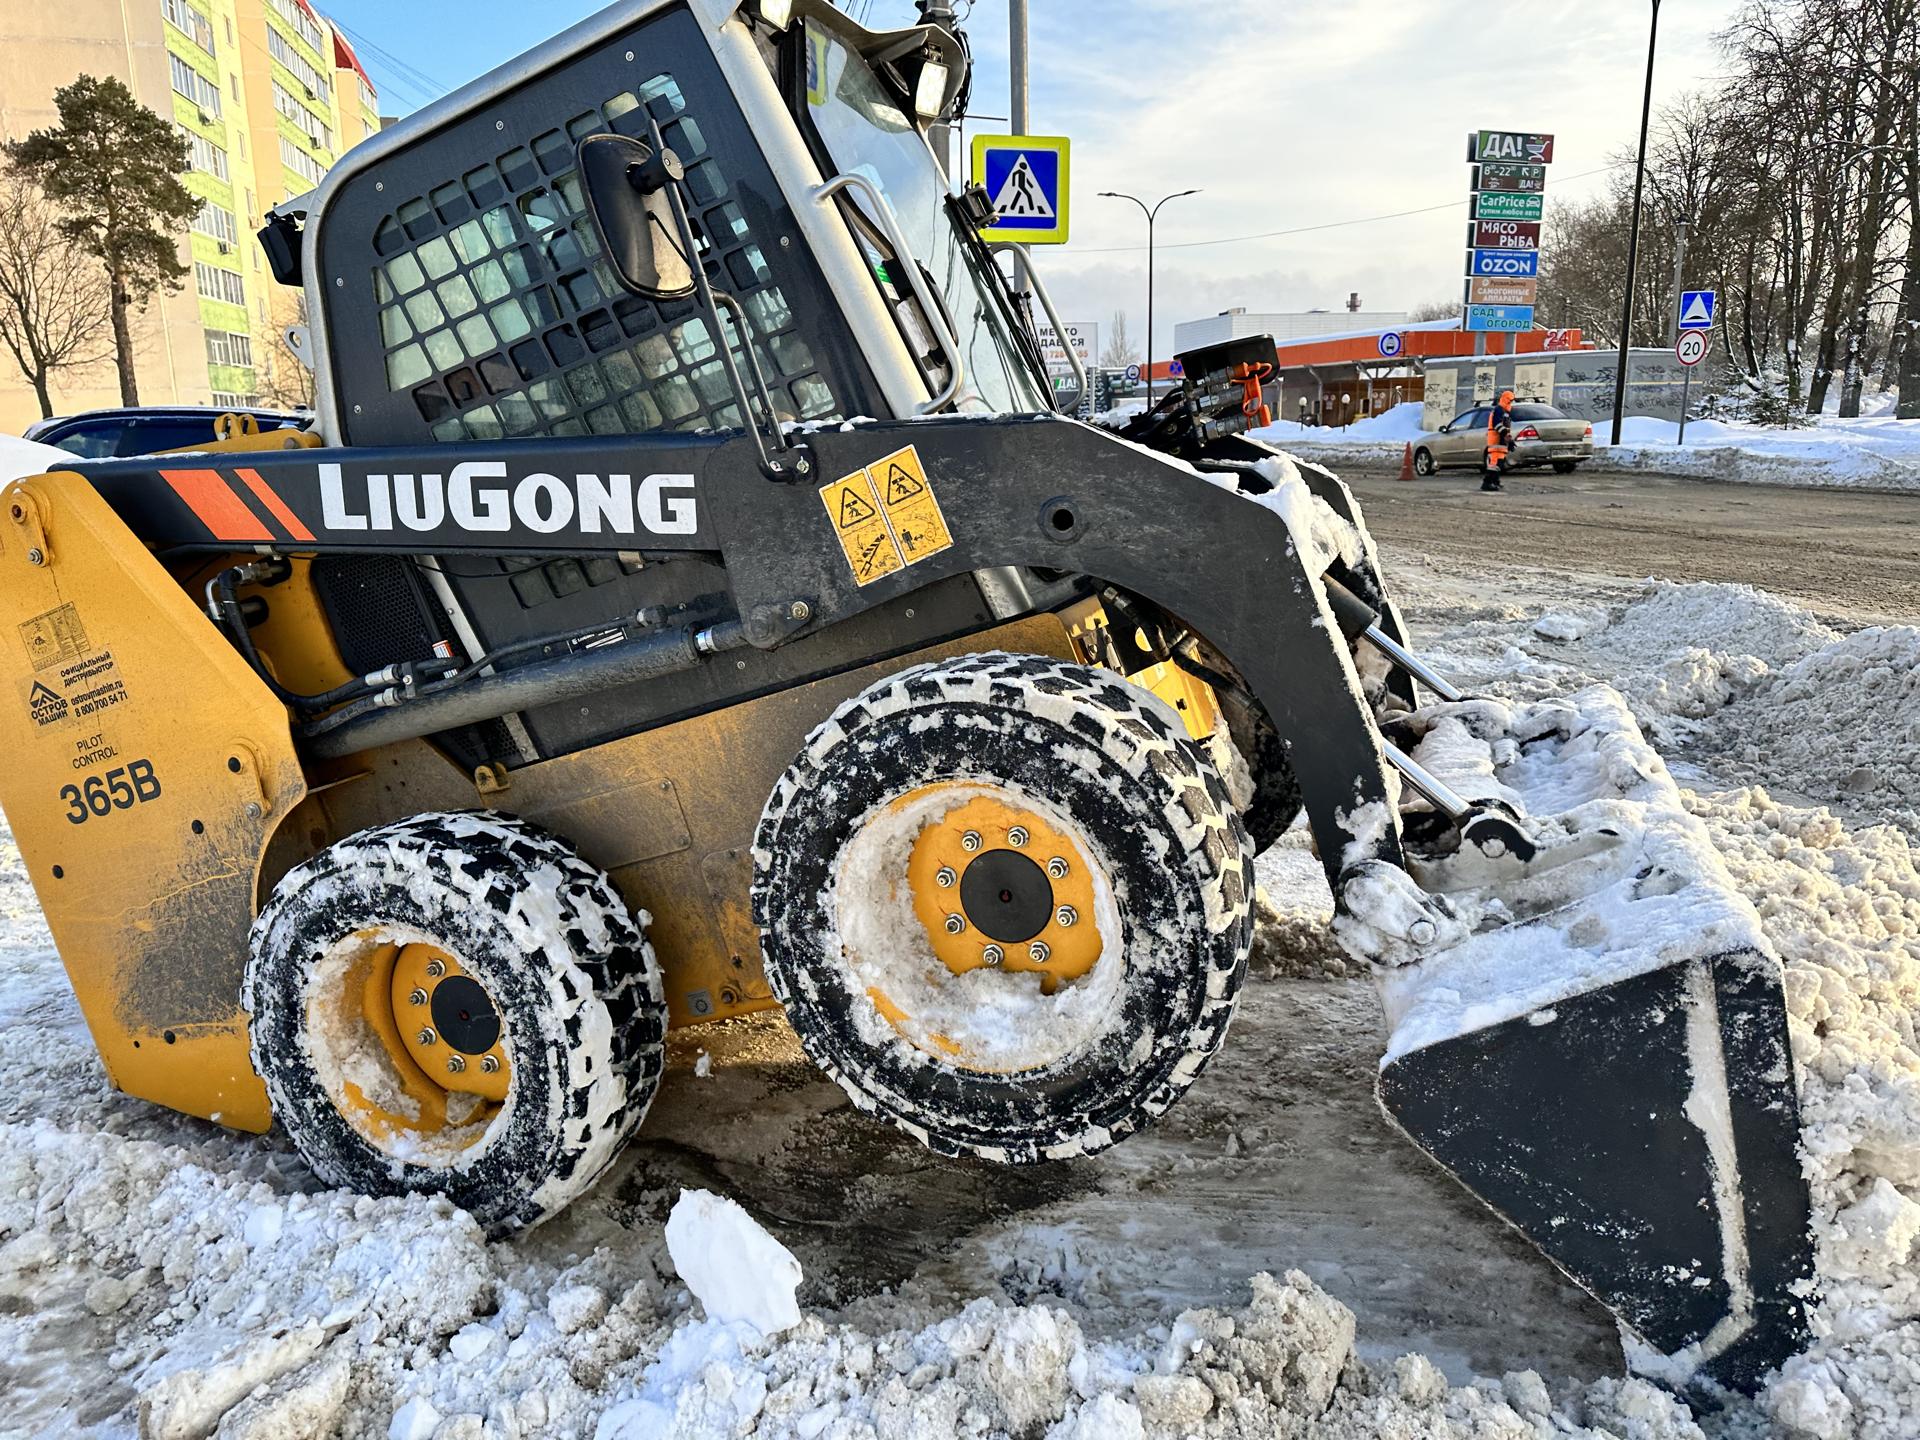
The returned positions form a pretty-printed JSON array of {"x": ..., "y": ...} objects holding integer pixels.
[
  {"x": 146, "y": 429},
  {"x": 1542, "y": 435}
]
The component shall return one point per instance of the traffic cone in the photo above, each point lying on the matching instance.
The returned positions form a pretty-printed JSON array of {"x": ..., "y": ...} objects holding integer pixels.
[{"x": 1406, "y": 462}]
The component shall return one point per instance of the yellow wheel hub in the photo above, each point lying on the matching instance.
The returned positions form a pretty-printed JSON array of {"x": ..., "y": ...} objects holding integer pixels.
[
  {"x": 998, "y": 885},
  {"x": 439, "y": 1067}
]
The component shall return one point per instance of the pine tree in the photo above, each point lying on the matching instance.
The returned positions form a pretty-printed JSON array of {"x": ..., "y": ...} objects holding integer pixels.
[{"x": 113, "y": 166}]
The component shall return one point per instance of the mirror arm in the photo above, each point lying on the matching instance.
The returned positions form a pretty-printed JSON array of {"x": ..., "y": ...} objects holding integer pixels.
[{"x": 783, "y": 461}]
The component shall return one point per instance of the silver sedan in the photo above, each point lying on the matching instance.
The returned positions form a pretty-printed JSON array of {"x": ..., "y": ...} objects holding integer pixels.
[{"x": 1542, "y": 435}]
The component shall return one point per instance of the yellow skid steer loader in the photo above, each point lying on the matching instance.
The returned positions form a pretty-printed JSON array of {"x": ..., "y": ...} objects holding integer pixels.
[{"x": 589, "y": 670}]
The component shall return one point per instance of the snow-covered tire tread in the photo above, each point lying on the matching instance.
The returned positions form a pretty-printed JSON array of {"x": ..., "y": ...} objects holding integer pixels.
[
  {"x": 1173, "y": 788},
  {"x": 567, "y": 963}
]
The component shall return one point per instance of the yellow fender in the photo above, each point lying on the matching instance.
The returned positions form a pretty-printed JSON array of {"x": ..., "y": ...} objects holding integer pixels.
[{"x": 147, "y": 767}]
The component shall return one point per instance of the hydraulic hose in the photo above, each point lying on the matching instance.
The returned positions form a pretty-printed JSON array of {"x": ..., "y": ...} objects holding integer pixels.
[{"x": 386, "y": 718}]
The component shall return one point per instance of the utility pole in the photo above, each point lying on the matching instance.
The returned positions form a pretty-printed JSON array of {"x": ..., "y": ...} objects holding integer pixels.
[
  {"x": 1633, "y": 235},
  {"x": 1017, "y": 114},
  {"x": 940, "y": 137},
  {"x": 1679, "y": 273}
]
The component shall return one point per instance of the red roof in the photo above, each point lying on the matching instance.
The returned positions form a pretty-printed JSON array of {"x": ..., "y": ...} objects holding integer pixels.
[{"x": 345, "y": 59}]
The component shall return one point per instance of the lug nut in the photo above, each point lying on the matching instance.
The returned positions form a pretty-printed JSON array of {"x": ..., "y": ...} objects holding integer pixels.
[
  {"x": 490, "y": 1063},
  {"x": 455, "y": 1064},
  {"x": 1421, "y": 932},
  {"x": 418, "y": 997},
  {"x": 1057, "y": 867},
  {"x": 945, "y": 877},
  {"x": 1039, "y": 951},
  {"x": 436, "y": 968},
  {"x": 955, "y": 924},
  {"x": 1066, "y": 915},
  {"x": 1017, "y": 836},
  {"x": 970, "y": 840},
  {"x": 992, "y": 955},
  {"x": 427, "y": 1037}
]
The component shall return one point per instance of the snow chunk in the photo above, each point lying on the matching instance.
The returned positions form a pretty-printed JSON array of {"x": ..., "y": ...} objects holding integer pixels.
[
  {"x": 734, "y": 1268},
  {"x": 415, "y": 1420}
]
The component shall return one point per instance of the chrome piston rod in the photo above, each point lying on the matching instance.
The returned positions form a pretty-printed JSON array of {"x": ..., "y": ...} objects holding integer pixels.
[
  {"x": 1445, "y": 798},
  {"x": 1411, "y": 663}
]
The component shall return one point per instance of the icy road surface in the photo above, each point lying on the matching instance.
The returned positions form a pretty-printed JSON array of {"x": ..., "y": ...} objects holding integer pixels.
[{"x": 160, "y": 1277}]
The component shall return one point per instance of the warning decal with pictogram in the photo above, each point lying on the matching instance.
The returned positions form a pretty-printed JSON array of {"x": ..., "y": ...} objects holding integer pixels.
[
  {"x": 862, "y": 531},
  {"x": 912, "y": 511},
  {"x": 886, "y": 516}
]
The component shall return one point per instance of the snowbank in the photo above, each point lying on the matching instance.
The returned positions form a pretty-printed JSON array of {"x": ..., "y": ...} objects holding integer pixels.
[{"x": 1873, "y": 453}]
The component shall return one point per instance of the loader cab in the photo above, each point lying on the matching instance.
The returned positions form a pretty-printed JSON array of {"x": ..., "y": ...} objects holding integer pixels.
[{"x": 462, "y": 291}]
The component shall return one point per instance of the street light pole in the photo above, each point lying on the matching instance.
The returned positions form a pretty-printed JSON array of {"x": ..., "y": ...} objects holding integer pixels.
[
  {"x": 1150, "y": 213},
  {"x": 1633, "y": 235}
]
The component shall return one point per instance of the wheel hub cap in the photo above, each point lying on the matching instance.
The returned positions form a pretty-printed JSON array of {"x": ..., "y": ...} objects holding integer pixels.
[
  {"x": 1005, "y": 895},
  {"x": 1020, "y": 876}
]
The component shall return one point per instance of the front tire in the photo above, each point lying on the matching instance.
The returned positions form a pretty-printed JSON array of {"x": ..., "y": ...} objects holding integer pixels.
[
  {"x": 458, "y": 1005},
  {"x": 1069, "y": 1039},
  {"x": 1423, "y": 462}
]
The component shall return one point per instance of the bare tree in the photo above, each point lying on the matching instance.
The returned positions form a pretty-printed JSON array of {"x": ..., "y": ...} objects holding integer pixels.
[
  {"x": 1433, "y": 310},
  {"x": 281, "y": 376},
  {"x": 56, "y": 311},
  {"x": 1119, "y": 351}
]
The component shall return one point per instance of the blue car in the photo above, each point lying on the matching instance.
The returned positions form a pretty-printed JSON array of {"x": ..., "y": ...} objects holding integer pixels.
[{"x": 146, "y": 429}]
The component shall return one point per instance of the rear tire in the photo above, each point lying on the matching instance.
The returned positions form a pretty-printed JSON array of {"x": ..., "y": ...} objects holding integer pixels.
[
  {"x": 545, "y": 953},
  {"x": 1423, "y": 462},
  {"x": 1565, "y": 467},
  {"x": 996, "y": 1067}
]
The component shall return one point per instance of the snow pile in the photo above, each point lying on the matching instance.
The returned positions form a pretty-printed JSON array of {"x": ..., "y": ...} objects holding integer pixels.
[
  {"x": 1843, "y": 910},
  {"x": 1627, "y": 882},
  {"x": 1878, "y": 453},
  {"x": 1398, "y": 424},
  {"x": 1841, "y": 723},
  {"x": 735, "y": 1269}
]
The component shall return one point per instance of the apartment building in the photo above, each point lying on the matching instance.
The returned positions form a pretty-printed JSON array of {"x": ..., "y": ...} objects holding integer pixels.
[{"x": 268, "y": 93}]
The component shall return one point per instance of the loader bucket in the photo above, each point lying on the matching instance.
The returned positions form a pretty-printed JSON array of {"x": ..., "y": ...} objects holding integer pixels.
[{"x": 1605, "y": 1060}]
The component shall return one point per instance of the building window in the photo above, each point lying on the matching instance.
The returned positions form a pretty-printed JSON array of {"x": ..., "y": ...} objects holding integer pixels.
[
  {"x": 304, "y": 119},
  {"x": 205, "y": 156},
  {"x": 235, "y": 402},
  {"x": 301, "y": 19},
  {"x": 216, "y": 223},
  {"x": 301, "y": 163},
  {"x": 226, "y": 348},
  {"x": 302, "y": 68},
  {"x": 193, "y": 86},
  {"x": 190, "y": 22},
  {"x": 213, "y": 283}
]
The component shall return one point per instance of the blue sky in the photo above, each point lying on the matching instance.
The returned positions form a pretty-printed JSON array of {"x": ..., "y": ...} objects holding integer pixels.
[{"x": 1286, "y": 113}]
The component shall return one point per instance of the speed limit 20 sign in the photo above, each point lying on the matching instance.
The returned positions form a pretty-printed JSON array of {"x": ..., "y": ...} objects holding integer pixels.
[{"x": 1692, "y": 348}]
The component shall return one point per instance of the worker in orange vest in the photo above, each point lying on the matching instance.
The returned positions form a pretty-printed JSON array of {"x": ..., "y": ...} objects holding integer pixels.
[{"x": 1499, "y": 439}]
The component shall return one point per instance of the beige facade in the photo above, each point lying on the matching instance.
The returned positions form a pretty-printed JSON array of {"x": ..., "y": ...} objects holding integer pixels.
[{"x": 269, "y": 94}]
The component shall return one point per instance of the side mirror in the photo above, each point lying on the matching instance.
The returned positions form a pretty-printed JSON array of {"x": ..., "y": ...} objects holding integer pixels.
[
  {"x": 1446, "y": 429},
  {"x": 626, "y": 187}
]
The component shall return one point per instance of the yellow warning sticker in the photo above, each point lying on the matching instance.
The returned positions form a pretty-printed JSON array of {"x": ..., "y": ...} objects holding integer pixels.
[
  {"x": 886, "y": 516},
  {"x": 913, "y": 514},
  {"x": 855, "y": 512}
]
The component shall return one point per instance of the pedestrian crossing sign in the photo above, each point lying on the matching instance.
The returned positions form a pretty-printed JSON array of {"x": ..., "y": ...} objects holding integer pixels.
[{"x": 1025, "y": 177}]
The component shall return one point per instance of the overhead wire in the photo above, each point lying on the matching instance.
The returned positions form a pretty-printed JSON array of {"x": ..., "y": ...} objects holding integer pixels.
[{"x": 1326, "y": 225}]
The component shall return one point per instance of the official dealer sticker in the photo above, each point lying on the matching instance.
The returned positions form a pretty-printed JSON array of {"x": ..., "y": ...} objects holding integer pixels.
[{"x": 886, "y": 516}]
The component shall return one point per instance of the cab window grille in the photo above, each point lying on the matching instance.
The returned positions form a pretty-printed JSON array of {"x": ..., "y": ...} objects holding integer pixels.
[{"x": 496, "y": 316}]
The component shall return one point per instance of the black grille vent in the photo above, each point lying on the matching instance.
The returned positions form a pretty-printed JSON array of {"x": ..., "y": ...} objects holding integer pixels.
[{"x": 465, "y": 298}]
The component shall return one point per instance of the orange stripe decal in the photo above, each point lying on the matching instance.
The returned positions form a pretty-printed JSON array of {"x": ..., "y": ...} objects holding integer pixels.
[
  {"x": 276, "y": 507},
  {"x": 224, "y": 513}
]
